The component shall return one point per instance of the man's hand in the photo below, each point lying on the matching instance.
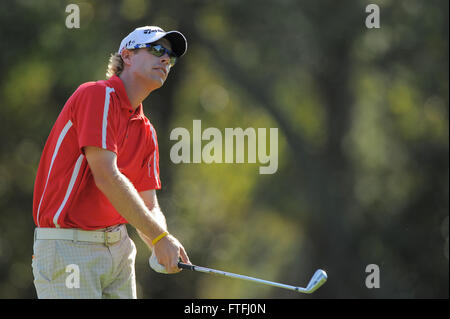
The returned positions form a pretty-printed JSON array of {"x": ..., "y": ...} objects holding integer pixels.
[
  {"x": 168, "y": 251},
  {"x": 126, "y": 200}
]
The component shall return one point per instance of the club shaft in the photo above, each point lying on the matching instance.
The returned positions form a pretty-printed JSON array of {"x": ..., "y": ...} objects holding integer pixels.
[{"x": 237, "y": 276}]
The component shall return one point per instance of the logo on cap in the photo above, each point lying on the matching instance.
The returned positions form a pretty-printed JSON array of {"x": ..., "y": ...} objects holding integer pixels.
[{"x": 148, "y": 31}]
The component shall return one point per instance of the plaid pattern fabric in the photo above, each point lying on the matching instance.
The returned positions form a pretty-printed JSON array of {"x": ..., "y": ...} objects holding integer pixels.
[{"x": 69, "y": 270}]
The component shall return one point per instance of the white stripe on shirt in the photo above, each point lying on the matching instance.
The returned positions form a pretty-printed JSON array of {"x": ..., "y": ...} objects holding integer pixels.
[
  {"x": 154, "y": 157},
  {"x": 105, "y": 115},
  {"x": 55, "y": 153},
  {"x": 75, "y": 172}
]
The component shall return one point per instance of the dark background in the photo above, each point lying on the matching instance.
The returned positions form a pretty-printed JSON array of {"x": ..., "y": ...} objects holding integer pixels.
[{"x": 362, "y": 116}]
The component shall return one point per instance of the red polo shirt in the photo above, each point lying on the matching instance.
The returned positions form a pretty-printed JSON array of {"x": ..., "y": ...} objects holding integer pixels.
[{"x": 97, "y": 114}]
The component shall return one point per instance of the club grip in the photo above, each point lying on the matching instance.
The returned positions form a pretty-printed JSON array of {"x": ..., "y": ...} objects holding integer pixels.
[{"x": 185, "y": 266}]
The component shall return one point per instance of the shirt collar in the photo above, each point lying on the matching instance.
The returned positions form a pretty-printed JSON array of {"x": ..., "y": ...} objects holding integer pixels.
[{"x": 119, "y": 88}]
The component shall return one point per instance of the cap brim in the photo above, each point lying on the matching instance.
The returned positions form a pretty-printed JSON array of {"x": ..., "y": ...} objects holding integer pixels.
[{"x": 178, "y": 42}]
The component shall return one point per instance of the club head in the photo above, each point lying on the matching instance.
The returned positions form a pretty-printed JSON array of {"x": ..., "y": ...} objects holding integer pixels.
[{"x": 317, "y": 280}]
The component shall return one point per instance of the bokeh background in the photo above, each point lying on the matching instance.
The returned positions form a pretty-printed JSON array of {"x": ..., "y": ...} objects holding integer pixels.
[{"x": 362, "y": 115}]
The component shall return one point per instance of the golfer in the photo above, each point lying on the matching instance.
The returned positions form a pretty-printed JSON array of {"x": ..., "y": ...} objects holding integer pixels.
[{"x": 99, "y": 170}]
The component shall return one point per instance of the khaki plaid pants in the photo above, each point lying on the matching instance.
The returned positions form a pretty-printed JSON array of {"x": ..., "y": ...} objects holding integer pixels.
[{"x": 83, "y": 270}]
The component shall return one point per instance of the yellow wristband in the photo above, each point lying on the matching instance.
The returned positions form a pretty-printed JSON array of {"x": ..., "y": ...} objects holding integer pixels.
[{"x": 157, "y": 239}]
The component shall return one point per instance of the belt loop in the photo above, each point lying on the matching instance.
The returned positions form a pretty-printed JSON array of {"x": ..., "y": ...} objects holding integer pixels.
[
  {"x": 105, "y": 233},
  {"x": 35, "y": 234},
  {"x": 75, "y": 236}
]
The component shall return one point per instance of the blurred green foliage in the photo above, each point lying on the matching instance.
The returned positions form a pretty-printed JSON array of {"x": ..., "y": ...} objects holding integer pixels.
[{"x": 363, "y": 139}]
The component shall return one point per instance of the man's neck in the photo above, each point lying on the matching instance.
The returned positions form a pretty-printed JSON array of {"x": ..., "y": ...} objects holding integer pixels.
[{"x": 136, "y": 91}]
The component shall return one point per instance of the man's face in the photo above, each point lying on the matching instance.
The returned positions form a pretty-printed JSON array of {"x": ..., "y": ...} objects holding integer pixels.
[{"x": 152, "y": 70}]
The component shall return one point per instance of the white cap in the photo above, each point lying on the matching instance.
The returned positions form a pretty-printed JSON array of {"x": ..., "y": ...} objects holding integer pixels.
[{"x": 148, "y": 34}]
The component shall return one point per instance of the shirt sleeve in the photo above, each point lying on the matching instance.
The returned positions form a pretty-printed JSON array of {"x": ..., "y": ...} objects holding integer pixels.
[
  {"x": 149, "y": 176},
  {"x": 94, "y": 118}
]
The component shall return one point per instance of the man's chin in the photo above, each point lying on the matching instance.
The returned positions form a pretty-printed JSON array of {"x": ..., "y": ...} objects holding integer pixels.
[{"x": 154, "y": 84}]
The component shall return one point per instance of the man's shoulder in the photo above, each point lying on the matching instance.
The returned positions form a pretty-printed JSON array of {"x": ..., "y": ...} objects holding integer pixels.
[
  {"x": 93, "y": 87},
  {"x": 91, "y": 95}
]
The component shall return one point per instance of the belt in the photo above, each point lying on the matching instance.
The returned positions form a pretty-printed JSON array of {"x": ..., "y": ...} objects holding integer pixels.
[{"x": 107, "y": 237}]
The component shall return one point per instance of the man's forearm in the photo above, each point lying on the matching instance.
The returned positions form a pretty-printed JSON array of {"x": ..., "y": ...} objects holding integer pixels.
[
  {"x": 159, "y": 216},
  {"x": 151, "y": 201},
  {"x": 126, "y": 200}
]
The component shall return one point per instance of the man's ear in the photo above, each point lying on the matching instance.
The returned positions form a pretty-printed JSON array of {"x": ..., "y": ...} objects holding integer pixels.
[{"x": 126, "y": 56}]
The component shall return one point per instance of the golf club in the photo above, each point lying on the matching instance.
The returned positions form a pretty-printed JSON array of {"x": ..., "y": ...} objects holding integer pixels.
[{"x": 317, "y": 280}]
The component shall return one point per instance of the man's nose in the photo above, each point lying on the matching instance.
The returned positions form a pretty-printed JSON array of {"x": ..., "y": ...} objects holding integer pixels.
[{"x": 165, "y": 59}]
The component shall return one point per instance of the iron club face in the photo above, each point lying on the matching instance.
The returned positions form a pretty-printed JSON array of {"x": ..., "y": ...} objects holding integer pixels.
[{"x": 317, "y": 280}]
